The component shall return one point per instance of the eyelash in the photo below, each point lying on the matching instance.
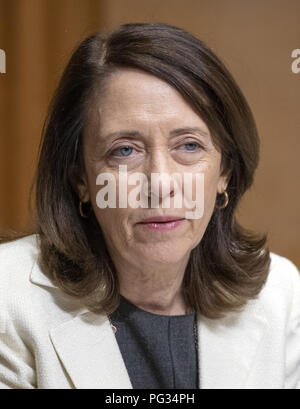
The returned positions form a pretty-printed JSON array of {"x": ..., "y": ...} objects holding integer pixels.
[
  {"x": 127, "y": 146},
  {"x": 192, "y": 143}
]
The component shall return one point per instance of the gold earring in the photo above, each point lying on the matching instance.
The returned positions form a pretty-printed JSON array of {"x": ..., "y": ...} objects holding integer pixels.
[
  {"x": 81, "y": 212},
  {"x": 226, "y": 201}
]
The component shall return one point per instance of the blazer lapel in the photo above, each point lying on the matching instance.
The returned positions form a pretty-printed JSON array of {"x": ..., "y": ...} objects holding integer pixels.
[
  {"x": 227, "y": 347},
  {"x": 88, "y": 349}
]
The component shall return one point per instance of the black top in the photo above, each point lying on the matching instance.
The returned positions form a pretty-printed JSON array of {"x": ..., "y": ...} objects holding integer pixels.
[{"x": 158, "y": 350}]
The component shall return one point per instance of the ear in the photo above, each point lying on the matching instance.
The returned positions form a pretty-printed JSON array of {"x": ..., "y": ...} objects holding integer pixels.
[
  {"x": 79, "y": 183},
  {"x": 224, "y": 180},
  {"x": 222, "y": 185}
]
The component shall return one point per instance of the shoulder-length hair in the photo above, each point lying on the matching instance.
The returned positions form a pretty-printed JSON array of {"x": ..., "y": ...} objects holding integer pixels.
[{"x": 230, "y": 264}]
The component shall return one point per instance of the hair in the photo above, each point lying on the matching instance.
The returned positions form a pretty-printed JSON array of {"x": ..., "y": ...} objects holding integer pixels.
[{"x": 230, "y": 264}]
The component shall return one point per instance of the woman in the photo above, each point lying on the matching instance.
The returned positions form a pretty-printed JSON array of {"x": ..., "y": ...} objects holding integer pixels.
[{"x": 105, "y": 296}]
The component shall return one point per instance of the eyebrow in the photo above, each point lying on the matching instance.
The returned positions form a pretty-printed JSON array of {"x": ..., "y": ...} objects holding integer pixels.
[{"x": 174, "y": 132}]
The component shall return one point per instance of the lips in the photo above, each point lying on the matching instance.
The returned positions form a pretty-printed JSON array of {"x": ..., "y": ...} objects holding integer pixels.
[{"x": 161, "y": 219}]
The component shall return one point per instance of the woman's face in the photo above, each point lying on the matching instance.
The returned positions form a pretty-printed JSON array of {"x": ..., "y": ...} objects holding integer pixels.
[{"x": 137, "y": 101}]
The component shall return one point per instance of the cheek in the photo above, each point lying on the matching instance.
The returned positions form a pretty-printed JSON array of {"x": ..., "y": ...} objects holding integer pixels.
[
  {"x": 210, "y": 172},
  {"x": 114, "y": 225},
  {"x": 114, "y": 221},
  {"x": 210, "y": 186},
  {"x": 199, "y": 226}
]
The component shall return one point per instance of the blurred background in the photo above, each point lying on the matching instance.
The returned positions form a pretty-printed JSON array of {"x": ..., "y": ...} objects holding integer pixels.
[{"x": 255, "y": 39}]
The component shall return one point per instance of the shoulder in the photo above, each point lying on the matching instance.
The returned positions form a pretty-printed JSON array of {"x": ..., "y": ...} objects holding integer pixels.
[
  {"x": 17, "y": 258},
  {"x": 23, "y": 246},
  {"x": 26, "y": 293},
  {"x": 282, "y": 270},
  {"x": 283, "y": 273},
  {"x": 281, "y": 302},
  {"x": 281, "y": 291}
]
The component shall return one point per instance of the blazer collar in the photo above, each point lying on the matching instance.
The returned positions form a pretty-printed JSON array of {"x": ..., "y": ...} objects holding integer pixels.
[
  {"x": 88, "y": 349},
  {"x": 86, "y": 346},
  {"x": 228, "y": 347}
]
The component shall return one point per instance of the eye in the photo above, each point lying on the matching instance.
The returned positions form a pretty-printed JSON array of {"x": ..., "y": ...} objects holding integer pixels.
[
  {"x": 191, "y": 146},
  {"x": 124, "y": 150}
]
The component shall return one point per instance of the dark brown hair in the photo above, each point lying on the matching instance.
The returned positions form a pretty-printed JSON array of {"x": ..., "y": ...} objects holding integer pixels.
[{"x": 230, "y": 264}]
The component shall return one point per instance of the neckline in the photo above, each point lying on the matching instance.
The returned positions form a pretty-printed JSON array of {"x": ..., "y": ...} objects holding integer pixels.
[{"x": 125, "y": 301}]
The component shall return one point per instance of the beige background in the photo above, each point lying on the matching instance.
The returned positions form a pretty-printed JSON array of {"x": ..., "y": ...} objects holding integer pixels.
[{"x": 254, "y": 38}]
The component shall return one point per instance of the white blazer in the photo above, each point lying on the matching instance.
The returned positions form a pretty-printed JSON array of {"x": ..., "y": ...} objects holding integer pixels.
[{"x": 49, "y": 341}]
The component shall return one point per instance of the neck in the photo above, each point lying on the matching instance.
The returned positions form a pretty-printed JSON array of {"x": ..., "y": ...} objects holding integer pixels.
[
  {"x": 156, "y": 288},
  {"x": 157, "y": 303}
]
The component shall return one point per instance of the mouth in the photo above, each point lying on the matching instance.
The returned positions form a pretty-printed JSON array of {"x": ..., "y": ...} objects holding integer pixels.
[
  {"x": 161, "y": 224},
  {"x": 161, "y": 219}
]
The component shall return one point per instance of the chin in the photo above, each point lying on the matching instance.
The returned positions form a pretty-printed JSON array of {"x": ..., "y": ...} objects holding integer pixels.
[{"x": 166, "y": 256}]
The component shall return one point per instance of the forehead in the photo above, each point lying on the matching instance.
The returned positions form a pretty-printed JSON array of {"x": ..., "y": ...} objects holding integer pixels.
[{"x": 134, "y": 97}]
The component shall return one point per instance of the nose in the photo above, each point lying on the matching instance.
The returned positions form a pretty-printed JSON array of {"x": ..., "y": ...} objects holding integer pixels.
[{"x": 158, "y": 170}]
